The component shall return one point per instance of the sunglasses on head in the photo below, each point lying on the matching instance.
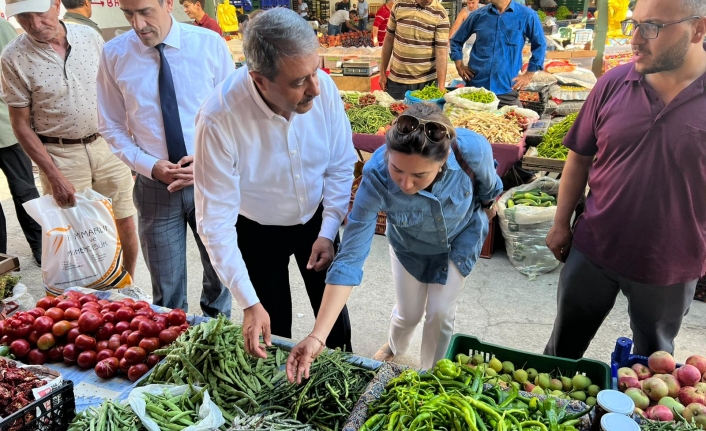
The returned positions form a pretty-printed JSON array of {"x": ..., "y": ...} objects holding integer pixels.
[{"x": 433, "y": 130}]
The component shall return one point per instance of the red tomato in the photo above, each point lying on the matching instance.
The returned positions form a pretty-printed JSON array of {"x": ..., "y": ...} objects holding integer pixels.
[
  {"x": 125, "y": 314},
  {"x": 120, "y": 351},
  {"x": 149, "y": 328},
  {"x": 152, "y": 360},
  {"x": 61, "y": 328},
  {"x": 147, "y": 312},
  {"x": 105, "y": 331},
  {"x": 36, "y": 357},
  {"x": 43, "y": 324},
  {"x": 114, "y": 342},
  {"x": 85, "y": 342},
  {"x": 56, "y": 354},
  {"x": 91, "y": 306},
  {"x": 136, "y": 371},
  {"x": 72, "y": 313},
  {"x": 139, "y": 305},
  {"x": 86, "y": 359},
  {"x": 103, "y": 354},
  {"x": 68, "y": 303},
  {"x": 72, "y": 334},
  {"x": 101, "y": 345},
  {"x": 103, "y": 302},
  {"x": 121, "y": 327},
  {"x": 149, "y": 344},
  {"x": 135, "y": 323},
  {"x": 177, "y": 317},
  {"x": 168, "y": 336},
  {"x": 115, "y": 306},
  {"x": 107, "y": 368},
  {"x": 88, "y": 298},
  {"x": 134, "y": 338},
  {"x": 70, "y": 354},
  {"x": 89, "y": 322},
  {"x": 74, "y": 324},
  {"x": 73, "y": 294},
  {"x": 123, "y": 336},
  {"x": 128, "y": 302},
  {"x": 135, "y": 355},
  {"x": 36, "y": 312},
  {"x": 109, "y": 316},
  {"x": 45, "y": 303},
  {"x": 32, "y": 338},
  {"x": 161, "y": 318},
  {"x": 56, "y": 314},
  {"x": 46, "y": 341},
  {"x": 124, "y": 365},
  {"x": 20, "y": 348}
]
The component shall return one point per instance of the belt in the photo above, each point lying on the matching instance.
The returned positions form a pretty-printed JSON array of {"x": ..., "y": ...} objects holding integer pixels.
[{"x": 85, "y": 140}]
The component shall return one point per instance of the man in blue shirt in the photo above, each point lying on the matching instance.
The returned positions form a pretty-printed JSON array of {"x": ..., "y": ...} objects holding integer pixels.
[{"x": 496, "y": 57}]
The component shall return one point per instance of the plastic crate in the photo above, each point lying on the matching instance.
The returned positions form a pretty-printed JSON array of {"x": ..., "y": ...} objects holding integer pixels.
[
  {"x": 621, "y": 357},
  {"x": 597, "y": 371},
  {"x": 52, "y": 412}
]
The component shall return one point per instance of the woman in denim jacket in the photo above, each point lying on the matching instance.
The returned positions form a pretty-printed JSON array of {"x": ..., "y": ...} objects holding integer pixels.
[{"x": 437, "y": 221}]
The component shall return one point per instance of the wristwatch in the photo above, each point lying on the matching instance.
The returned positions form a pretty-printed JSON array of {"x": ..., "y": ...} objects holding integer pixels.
[{"x": 489, "y": 205}]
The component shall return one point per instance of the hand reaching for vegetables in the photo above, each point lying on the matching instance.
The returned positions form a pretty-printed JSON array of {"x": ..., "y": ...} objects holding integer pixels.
[
  {"x": 301, "y": 358},
  {"x": 559, "y": 241},
  {"x": 256, "y": 321}
]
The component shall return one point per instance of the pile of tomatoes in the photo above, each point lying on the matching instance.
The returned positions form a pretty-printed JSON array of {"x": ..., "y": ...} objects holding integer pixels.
[{"x": 80, "y": 329}]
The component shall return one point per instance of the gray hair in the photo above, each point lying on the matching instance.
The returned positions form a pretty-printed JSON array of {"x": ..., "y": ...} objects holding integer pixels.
[
  {"x": 694, "y": 7},
  {"x": 274, "y": 35}
]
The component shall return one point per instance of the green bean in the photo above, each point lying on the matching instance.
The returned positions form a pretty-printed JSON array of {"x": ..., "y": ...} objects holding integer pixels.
[{"x": 369, "y": 119}]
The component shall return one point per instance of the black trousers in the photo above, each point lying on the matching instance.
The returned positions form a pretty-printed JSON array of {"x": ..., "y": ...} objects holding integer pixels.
[
  {"x": 266, "y": 251},
  {"x": 17, "y": 167}
]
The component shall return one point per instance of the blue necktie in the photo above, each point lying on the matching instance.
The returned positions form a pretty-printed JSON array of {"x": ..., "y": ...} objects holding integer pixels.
[{"x": 170, "y": 111}]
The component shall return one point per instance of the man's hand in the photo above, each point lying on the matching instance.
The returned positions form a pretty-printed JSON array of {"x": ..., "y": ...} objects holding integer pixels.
[
  {"x": 63, "y": 191},
  {"x": 522, "y": 81},
  {"x": 321, "y": 254},
  {"x": 301, "y": 357},
  {"x": 464, "y": 71},
  {"x": 256, "y": 321},
  {"x": 165, "y": 171},
  {"x": 491, "y": 212},
  {"x": 383, "y": 80},
  {"x": 184, "y": 176},
  {"x": 559, "y": 241}
]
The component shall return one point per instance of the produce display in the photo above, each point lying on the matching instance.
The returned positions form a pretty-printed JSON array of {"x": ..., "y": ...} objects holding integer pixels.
[
  {"x": 7, "y": 283},
  {"x": 495, "y": 128},
  {"x": 523, "y": 121},
  {"x": 398, "y": 108},
  {"x": 110, "y": 337},
  {"x": 16, "y": 386},
  {"x": 663, "y": 392},
  {"x": 430, "y": 92},
  {"x": 452, "y": 397},
  {"x": 529, "y": 96},
  {"x": 109, "y": 416},
  {"x": 483, "y": 96},
  {"x": 174, "y": 413},
  {"x": 369, "y": 119},
  {"x": 552, "y": 146},
  {"x": 532, "y": 198},
  {"x": 577, "y": 387},
  {"x": 266, "y": 422},
  {"x": 563, "y": 13},
  {"x": 364, "y": 38},
  {"x": 355, "y": 99},
  {"x": 213, "y": 354}
]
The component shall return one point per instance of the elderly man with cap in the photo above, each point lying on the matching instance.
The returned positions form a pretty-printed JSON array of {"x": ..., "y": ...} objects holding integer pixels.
[
  {"x": 49, "y": 84},
  {"x": 273, "y": 168}
]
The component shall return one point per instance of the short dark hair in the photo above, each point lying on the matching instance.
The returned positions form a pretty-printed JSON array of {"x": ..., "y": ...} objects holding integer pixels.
[
  {"x": 73, "y": 4},
  {"x": 201, "y": 2},
  {"x": 417, "y": 143},
  {"x": 354, "y": 12}
]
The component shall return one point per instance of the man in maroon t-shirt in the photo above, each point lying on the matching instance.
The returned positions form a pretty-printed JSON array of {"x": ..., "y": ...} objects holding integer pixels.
[
  {"x": 380, "y": 23},
  {"x": 195, "y": 10},
  {"x": 640, "y": 143}
]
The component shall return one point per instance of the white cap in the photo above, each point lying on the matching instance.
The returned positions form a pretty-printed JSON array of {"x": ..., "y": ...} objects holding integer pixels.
[
  {"x": 15, "y": 7},
  {"x": 615, "y": 402},
  {"x": 618, "y": 422}
]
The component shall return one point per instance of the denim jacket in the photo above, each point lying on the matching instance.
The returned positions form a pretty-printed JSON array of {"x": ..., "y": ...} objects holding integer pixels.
[{"x": 425, "y": 230}]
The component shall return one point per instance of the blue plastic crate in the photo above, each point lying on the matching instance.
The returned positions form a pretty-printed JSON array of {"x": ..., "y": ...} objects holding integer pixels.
[{"x": 621, "y": 357}]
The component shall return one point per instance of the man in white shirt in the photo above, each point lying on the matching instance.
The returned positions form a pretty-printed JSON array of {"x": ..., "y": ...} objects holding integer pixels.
[
  {"x": 363, "y": 11},
  {"x": 151, "y": 82},
  {"x": 340, "y": 22},
  {"x": 273, "y": 168},
  {"x": 303, "y": 9}
]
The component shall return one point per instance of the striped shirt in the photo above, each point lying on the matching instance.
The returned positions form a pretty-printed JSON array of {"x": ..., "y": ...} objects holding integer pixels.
[{"x": 418, "y": 31}]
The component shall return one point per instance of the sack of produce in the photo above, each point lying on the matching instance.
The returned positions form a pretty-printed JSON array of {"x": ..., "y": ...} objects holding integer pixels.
[
  {"x": 430, "y": 94},
  {"x": 569, "y": 92},
  {"x": 568, "y": 107},
  {"x": 526, "y": 117},
  {"x": 152, "y": 405},
  {"x": 540, "y": 81},
  {"x": 81, "y": 245},
  {"x": 477, "y": 99},
  {"x": 582, "y": 77},
  {"x": 494, "y": 126},
  {"x": 526, "y": 213}
]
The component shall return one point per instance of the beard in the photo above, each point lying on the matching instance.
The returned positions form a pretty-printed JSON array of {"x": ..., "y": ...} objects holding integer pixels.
[{"x": 670, "y": 58}]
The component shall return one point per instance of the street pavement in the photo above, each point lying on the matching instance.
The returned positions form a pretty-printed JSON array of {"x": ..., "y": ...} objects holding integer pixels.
[{"x": 498, "y": 304}]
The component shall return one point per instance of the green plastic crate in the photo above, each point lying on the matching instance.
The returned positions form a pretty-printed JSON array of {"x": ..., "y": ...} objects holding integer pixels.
[{"x": 597, "y": 371}]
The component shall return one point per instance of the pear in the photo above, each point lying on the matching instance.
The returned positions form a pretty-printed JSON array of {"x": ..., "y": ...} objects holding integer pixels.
[
  {"x": 493, "y": 381},
  {"x": 593, "y": 390},
  {"x": 477, "y": 359},
  {"x": 591, "y": 401},
  {"x": 543, "y": 380},
  {"x": 578, "y": 395},
  {"x": 566, "y": 383},
  {"x": 463, "y": 359},
  {"x": 580, "y": 382},
  {"x": 538, "y": 391},
  {"x": 508, "y": 367},
  {"x": 490, "y": 372},
  {"x": 520, "y": 376},
  {"x": 555, "y": 385},
  {"x": 505, "y": 378},
  {"x": 531, "y": 374},
  {"x": 556, "y": 393},
  {"x": 496, "y": 364}
]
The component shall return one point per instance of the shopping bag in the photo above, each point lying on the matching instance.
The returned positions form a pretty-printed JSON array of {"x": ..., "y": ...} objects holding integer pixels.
[{"x": 80, "y": 246}]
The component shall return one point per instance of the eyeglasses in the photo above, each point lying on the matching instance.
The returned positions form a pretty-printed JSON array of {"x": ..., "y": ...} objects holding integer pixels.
[
  {"x": 649, "y": 30},
  {"x": 433, "y": 130}
]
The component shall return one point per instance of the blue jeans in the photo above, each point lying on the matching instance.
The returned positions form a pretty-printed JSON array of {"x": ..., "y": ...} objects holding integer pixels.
[{"x": 334, "y": 29}]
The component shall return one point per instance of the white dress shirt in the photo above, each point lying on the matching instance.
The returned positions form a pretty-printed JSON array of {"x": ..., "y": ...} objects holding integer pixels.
[
  {"x": 250, "y": 161},
  {"x": 130, "y": 115}
]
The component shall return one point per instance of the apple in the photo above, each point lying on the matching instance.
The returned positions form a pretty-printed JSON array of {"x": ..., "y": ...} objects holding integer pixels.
[
  {"x": 673, "y": 404},
  {"x": 660, "y": 413},
  {"x": 641, "y": 400},
  {"x": 697, "y": 361},
  {"x": 639, "y": 412},
  {"x": 703, "y": 378},
  {"x": 655, "y": 388},
  {"x": 691, "y": 395},
  {"x": 626, "y": 382},
  {"x": 661, "y": 362},
  {"x": 528, "y": 387},
  {"x": 688, "y": 375},
  {"x": 701, "y": 386},
  {"x": 697, "y": 413},
  {"x": 672, "y": 384},
  {"x": 626, "y": 372},
  {"x": 642, "y": 371}
]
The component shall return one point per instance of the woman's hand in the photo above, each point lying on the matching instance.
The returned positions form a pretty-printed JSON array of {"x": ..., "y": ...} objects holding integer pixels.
[{"x": 301, "y": 357}]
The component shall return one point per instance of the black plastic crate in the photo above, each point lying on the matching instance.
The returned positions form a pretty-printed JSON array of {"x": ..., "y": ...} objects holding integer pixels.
[{"x": 56, "y": 411}]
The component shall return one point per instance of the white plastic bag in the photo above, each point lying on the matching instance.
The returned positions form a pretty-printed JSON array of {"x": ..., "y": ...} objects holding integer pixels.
[
  {"x": 582, "y": 77},
  {"x": 21, "y": 297},
  {"x": 455, "y": 98},
  {"x": 525, "y": 230},
  {"x": 81, "y": 245},
  {"x": 209, "y": 413}
]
